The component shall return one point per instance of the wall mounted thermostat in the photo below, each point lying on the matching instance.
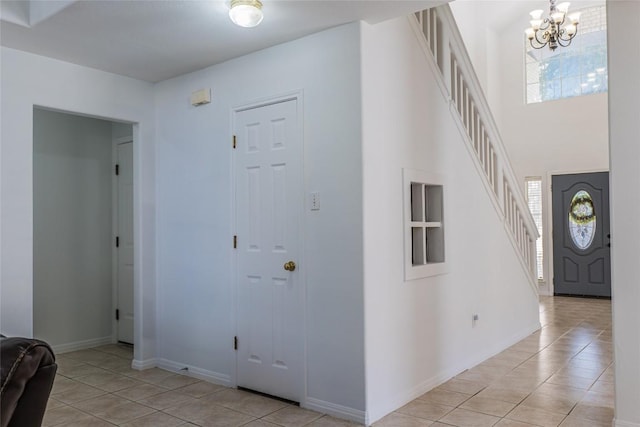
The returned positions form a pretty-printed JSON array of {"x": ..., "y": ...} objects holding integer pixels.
[{"x": 201, "y": 97}]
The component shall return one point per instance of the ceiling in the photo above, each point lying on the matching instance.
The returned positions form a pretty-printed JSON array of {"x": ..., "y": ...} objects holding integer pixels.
[
  {"x": 154, "y": 40},
  {"x": 500, "y": 14}
]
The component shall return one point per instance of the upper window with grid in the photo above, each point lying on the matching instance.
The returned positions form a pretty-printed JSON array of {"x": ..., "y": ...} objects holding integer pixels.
[{"x": 579, "y": 69}]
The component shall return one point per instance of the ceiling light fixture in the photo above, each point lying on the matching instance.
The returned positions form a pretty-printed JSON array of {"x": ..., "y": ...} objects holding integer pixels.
[
  {"x": 550, "y": 30},
  {"x": 246, "y": 13}
]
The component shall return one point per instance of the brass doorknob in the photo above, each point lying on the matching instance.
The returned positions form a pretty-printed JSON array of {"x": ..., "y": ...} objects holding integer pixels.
[{"x": 290, "y": 266}]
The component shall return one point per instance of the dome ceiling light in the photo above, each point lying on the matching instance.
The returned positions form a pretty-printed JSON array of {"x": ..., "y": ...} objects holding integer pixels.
[{"x": 246, "y": 13}]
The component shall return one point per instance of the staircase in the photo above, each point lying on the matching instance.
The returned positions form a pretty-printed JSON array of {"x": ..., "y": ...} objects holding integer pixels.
[{"x": 443, "y": 45}]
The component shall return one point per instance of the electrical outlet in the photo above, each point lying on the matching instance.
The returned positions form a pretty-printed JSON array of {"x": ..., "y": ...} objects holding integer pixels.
[{"x": 315, "y": 201}]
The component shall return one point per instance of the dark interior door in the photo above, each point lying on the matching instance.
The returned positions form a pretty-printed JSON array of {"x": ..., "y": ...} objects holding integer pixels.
[{"x": 581, "y": 253}]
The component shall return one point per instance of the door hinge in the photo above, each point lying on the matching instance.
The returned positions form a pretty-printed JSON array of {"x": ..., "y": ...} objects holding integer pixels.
[
  {"x": 234, "y": 141},
  {"x": 235, "y": 343},
  {"x": 117, "y": 241},
  {"x": 117, "y": 169},
  {"x": 235, "y": 242},
  {"x": 117, "y": 314}
]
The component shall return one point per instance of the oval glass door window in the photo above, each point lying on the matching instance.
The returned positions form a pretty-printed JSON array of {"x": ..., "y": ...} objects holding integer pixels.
[{"x": 582, "y": 220}]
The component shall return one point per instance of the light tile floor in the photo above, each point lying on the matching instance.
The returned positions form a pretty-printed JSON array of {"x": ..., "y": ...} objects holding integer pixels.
[{"x": 561, "y": 375}]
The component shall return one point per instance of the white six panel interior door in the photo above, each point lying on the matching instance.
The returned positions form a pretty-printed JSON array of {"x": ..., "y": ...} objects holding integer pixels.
[{"x": 269, "y": 204}]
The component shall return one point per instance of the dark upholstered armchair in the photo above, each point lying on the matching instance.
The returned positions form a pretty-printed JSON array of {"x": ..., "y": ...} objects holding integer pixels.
[{"x": 28, "y": 371}]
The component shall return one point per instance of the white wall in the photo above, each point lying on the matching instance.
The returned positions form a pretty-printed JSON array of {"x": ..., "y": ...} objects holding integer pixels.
[
  {"x": 563, "y": 135},
  {"x": 567, "y": 135},
  {"x": 466, "y": 15},
  {"x": 624, "y": 119},
  {"x": 72, "y": 228},
  {"x": 196, "y": 317},
  {"x": 481, "y": 44},
  {"x": 419, "y": 333},
  {"x": 29, "y": 80},
  {"x": 121, "y": 130}
]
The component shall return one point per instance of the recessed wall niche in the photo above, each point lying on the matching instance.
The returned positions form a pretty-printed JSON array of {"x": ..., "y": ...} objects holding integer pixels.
[{"x": 424, "y": 224}]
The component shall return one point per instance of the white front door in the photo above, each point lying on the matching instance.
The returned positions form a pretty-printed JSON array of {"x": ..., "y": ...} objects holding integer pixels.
[
  {"x": 124, "y": 235},
  {"x": 268, "y": 169}
]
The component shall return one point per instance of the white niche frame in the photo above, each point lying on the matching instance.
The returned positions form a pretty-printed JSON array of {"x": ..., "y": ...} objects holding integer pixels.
[{"x": 424, "y": 224}]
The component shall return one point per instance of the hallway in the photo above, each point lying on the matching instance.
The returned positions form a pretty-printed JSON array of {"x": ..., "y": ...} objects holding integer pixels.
[{"x": 561, "y": 375}]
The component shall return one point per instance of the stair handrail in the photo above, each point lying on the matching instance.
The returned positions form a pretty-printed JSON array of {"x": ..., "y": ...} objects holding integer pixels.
[{"x": 446, "y": 51}]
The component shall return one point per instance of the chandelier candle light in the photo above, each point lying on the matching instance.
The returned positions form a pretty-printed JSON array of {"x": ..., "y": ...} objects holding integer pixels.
[{"x": 552, "y": 30}]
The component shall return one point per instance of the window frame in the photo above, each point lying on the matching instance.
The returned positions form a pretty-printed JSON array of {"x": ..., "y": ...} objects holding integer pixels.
[
  {"x": 428, "y": 269},
  {"x": 540, "y": 241}
]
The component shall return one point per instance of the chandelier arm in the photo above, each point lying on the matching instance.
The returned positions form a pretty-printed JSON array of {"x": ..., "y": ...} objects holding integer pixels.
[
  {"x": 545, "y": 24},
  {"x": 534, "y": 46},
  {"x": 564, "y": 18},
  {"x": 539, "y": 46},
  {"x": 544, "y": 37},
  {"x": 568, "y": 42},
  {"x": 566, "y": 37}
]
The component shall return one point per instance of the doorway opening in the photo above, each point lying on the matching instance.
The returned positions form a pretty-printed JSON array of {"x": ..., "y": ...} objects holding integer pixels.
[{"x": 79, "y": 211}]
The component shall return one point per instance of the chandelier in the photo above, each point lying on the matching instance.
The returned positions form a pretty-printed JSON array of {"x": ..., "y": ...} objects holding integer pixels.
[{"x": 553, "y": 30}]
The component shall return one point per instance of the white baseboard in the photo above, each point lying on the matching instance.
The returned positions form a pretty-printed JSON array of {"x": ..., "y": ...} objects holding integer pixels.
[
  {"x": 504, "y": 344},
  {"x": 442, "y": 377},
  {"x": 544, "y": 289},
  {"x": 195, "y": 372},
  {"x": 82, "y": 345},
  {"x": 620, "y": 423},
  {"x": 402, "y": 399},
  {"x": 335, "y": 410},
  {"x": 141, "y": 365}
]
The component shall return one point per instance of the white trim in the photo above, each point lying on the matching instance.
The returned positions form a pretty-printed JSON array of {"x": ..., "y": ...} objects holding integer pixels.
[
  {"x": 547, "y": 223},
  {"x": 195, "y": 372},
  {"x": 141, "y": 365},
  {"x": 527, "y": 179},
  {"x": 298, "y": 96},
  {"x": 422, "y": 41},
  {"x": 413, "y": 272},
  {"x": 457, "y": 47},
  {"x": 455, "y": 115},
  {"x": 452, "y": 44},
  {"x": 415, "y": 392},
  {"x": 82, "y": 345},
  {"x": 446, "y": 375},
  {"x": 139, "y": 346},
  {"x": 492, "y": 197},
  {"x": 138, "y": 281},
  {"x": 123, "y": 139},
  {"x": 233, "y": 377},
  {"x": 504, "y": 344},
  {"x": 263, "y": 102},
  {"x": 114, "y": 230},
  {"x": 533, "y": 283},
  {"x": 620, "y": 423},
  {"x": 336, "y": 410}
]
